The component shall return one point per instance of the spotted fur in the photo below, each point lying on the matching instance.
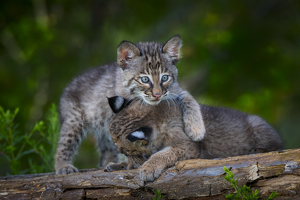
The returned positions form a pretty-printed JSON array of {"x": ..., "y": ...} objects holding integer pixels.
[
  {"x": 84, "y": 108},
  {"x": 228, "y": 133}
]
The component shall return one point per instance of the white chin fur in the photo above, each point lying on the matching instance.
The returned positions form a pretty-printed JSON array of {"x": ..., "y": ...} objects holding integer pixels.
[{"x": 152, "y": 102}]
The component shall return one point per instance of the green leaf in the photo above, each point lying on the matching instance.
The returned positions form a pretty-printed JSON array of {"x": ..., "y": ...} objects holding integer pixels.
[
  {"x": 229, "y": 196},
  {"x": 24, "y": 153},
  {"x": 272, "y": 196}
]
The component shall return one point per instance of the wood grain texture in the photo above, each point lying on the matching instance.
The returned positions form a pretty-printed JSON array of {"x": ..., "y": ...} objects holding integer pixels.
[{"x": 189, "y": 179}]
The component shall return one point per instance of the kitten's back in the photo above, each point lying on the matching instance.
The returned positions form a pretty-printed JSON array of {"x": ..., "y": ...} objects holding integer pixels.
[{"x": 232, "y": 133}]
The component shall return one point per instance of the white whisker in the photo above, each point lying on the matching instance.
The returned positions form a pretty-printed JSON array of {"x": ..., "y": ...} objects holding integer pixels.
[
  {"x": 168, "y": 103},
  {"x": 137, "y": 100},
  {"x": 177, "y": 98},
  {"x": 172, "y": 100},
  {"x": 141, "y": 104},
  {"x": 136, "y": 160},
  {"x": 134, "y": 99}
]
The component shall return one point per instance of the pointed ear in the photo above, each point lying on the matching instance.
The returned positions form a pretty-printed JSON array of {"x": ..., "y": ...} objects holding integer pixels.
[
  {"x": 117, "y": 103},
  {"x": 126, "y": 52},
  {"x": 172, "y": 48}
]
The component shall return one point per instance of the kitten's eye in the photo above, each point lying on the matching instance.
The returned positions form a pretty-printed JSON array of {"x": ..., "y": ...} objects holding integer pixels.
[
  {"x": 164, "y": 78},
  {"x": 145, "y": 79}
]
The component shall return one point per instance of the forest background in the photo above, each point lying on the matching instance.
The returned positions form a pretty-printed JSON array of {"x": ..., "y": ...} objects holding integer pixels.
[{"x": 239, "y": 54}]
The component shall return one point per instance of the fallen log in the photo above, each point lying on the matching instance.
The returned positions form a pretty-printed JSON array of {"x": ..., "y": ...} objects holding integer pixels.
[{"x": 189, "y": 179}]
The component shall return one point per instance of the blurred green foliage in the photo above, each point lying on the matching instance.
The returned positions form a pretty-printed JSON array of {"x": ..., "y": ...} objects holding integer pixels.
[
  {"x": 240, "y": 54},
  {"x": 31, "y": 152}
]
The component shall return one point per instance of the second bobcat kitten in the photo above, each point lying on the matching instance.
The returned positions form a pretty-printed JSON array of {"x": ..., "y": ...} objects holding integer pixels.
[
  {"x": 145, "y": 71},
  {"x": 153, "y": 138}
]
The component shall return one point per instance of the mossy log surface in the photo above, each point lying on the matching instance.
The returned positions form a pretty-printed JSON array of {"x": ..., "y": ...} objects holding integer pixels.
[{"x": 189, "y": 179}]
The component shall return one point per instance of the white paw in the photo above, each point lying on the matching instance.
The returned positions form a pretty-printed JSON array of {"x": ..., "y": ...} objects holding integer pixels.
[
  {"x": 194, "y": 128},
  {"x": 67, "y": 170},
  {"x": 195, "y": 132}
]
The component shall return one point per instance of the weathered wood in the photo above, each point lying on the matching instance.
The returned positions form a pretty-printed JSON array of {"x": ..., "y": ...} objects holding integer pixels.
[{"x": 189, "y": 179}]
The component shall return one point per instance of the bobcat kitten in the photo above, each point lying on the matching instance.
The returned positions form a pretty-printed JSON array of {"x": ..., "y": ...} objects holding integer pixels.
[
  {"x": 145, "y": 71},
  {"x": 153, "y": 138}
]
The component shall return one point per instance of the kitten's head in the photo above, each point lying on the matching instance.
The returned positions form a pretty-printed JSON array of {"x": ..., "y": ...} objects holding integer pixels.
[
  {"x": 148, "y": 69},
  {"x": 131, "y": 131}
]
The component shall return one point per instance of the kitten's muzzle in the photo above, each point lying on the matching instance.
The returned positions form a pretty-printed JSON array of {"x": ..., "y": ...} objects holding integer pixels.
[{"x": 157, "y": 95}]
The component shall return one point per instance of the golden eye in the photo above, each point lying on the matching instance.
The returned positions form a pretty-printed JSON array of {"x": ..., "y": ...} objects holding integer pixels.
[
  {"x": 145, "y": 79},
  {"x": 164, "y": 78}
]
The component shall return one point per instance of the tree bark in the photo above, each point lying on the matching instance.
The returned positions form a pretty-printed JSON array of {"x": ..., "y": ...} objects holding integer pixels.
[{"x": 189, "y": 179}]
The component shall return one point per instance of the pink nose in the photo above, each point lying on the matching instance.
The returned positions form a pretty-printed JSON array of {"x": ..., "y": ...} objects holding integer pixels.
[{"x": 157, "y": 95}]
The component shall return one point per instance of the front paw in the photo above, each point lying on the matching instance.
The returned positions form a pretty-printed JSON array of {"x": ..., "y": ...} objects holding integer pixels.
[
  {"x": 110, "y": 167},
  {"x": 194, "y": 128},
  {"x": 68, "y": 169},
  {"x": 150, "y": 172}
]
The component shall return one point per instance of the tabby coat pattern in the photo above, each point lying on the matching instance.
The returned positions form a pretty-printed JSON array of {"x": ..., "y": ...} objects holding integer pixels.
[
  {"x": 145, "y": 71},
  {"x": 153, "y": 138}
]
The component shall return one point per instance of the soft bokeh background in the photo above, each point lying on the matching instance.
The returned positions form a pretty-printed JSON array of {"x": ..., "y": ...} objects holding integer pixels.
[{"x": 239, "y": 54}]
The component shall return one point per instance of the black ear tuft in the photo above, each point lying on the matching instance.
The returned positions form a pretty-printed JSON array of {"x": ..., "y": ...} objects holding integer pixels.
[{"x": 117, "y": 103}]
